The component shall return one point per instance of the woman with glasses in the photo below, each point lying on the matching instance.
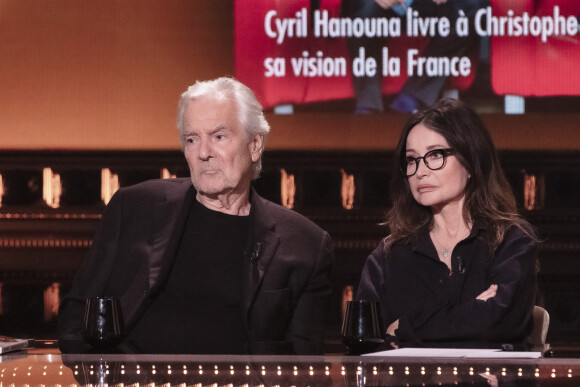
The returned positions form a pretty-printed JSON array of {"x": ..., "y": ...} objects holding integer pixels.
[{"x": 459, "y": 264}]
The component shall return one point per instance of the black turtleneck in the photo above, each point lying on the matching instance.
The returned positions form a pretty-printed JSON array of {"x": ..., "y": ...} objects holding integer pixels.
[{"x": 199, "y": 308}]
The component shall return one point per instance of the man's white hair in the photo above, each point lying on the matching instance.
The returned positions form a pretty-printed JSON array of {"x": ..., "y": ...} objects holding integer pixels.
[{"x": 249, "y": 111}]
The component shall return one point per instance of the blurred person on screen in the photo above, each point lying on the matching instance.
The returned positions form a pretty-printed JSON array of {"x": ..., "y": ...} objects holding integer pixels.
[
  {"x": 204, "y": 264},
  {"x": 459, "y": 265},
  {"x": 418, "y": 91}
]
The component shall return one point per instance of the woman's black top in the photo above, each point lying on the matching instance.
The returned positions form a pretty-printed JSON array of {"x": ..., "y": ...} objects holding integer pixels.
[{"x": 434, "y": 304}]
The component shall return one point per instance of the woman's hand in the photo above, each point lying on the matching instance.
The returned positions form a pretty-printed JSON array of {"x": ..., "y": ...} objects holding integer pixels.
[
  {"x": 486, "y": 295},
  {"x": 392, "y": 328},
  {"x": 489, "y": 293}
]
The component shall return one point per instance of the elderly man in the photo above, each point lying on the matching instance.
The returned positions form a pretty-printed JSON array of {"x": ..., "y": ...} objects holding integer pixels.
[{"x": 205, "y": 265}]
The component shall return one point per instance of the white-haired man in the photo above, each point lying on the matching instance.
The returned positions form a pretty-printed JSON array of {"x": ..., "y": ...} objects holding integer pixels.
[{"x": 205, "y": 265}]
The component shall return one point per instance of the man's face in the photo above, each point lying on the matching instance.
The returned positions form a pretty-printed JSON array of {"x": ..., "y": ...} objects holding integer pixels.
[{"x": 217, "y": 148}]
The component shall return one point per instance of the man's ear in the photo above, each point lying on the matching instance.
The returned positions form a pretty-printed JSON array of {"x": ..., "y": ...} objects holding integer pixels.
[{"x": 256, "y": 146}]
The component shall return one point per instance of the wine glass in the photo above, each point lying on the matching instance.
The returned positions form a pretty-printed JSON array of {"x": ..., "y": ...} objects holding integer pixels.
[
  {"x": 103, "y": 325},
  {"x": 362, "y": 327}
]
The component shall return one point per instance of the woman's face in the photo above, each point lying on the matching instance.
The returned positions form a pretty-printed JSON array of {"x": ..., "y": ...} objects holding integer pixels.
[{"x": 439, "y": 188}]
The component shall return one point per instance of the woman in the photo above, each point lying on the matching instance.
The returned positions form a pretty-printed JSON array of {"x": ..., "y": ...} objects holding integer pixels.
[{"x": 459, "y": 264}]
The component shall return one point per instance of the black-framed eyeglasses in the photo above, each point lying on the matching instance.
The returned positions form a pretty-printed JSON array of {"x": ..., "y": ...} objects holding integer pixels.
[{"x": 434, "y": 160}]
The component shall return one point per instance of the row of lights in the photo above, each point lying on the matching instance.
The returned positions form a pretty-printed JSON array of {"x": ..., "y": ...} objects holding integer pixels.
[
  {"x": 455, "y": 371},
  {"x": 295, "y": 370},
  {"x": 52, "y": 187},
  {"x": 200, "y": 370},
  {"x": 103, "y": 370}
]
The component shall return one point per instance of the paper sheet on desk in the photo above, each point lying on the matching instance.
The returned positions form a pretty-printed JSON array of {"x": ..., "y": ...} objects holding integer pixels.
[{"x": 456, "y": 353}]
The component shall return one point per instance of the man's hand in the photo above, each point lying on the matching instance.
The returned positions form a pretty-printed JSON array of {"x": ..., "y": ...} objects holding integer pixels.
[
  {"x": 489, "y": 293},
  {"x": 392, "y": 328},
  {"x": 386, "y": 4}
]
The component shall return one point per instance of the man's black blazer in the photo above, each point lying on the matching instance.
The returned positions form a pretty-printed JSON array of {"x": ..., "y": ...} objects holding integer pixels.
[{"x": 285, "y": 288}]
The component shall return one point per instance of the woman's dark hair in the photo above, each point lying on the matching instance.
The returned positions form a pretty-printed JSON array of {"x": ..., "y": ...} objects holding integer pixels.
[{"x": 488, "y": 195}]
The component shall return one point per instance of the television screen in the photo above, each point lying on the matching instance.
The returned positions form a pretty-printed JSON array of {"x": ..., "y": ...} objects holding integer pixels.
[
  {"x": 107, "y": 75},
  {"x": 514, "y": 56}
]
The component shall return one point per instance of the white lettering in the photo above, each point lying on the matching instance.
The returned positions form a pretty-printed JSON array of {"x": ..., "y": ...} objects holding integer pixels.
[
  {"x": 319, "y": 66},
  {"x": 486, "y": 24},
  {"x": 428, "y": 26},
  {"x": 286, "y": 27},
  {"x": 362, "y": 66},
  {"x": 391, "y": 66},
  {"x": 340, "y": 27},
  {"x": 268, "y": 24},
  {"x": 436, "y": 66},
  {"x": 275, "y": 67}
]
